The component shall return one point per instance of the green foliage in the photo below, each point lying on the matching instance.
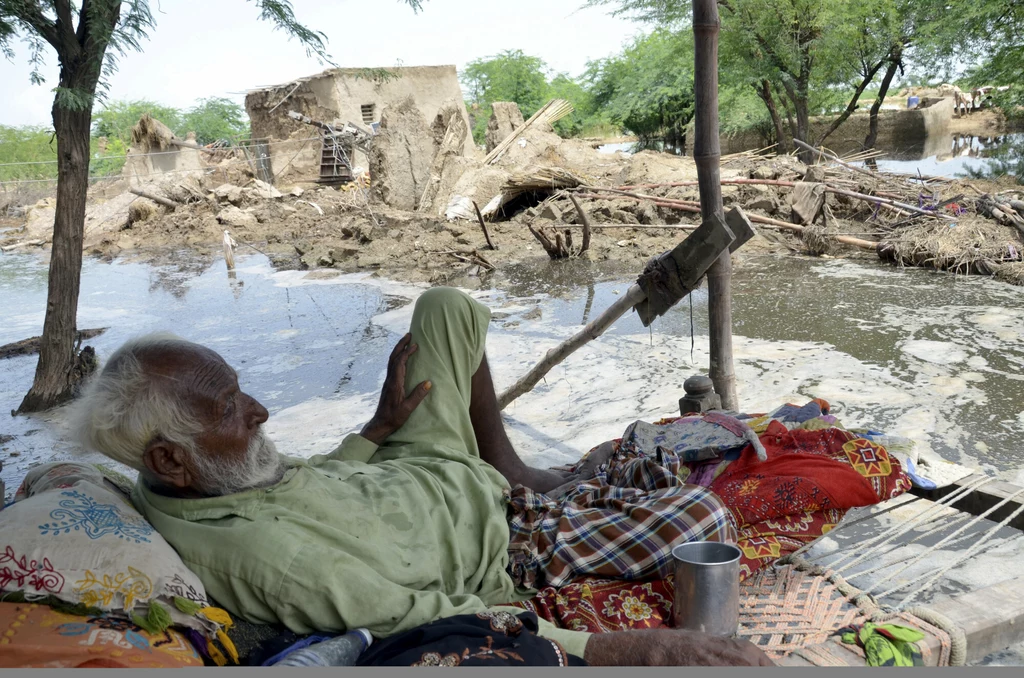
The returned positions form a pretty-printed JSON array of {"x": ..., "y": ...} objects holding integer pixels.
[
  {"x": 29, "y": 144},
  {"x": 107, "y": 30},
  {"x": 116, "y": 119},
  {"x": 508, "y": 76},
  {"x": 29, "y": 154},
  {"x": 648, "y": 88},
  {"x": 812, "y": 53},
  {"x": 214, "y": 119},
  {"x": 515, "y": 76},
  {"x": 564, "y": 87}
]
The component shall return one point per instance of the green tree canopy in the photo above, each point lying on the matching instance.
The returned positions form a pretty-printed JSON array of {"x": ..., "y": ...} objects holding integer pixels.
[
  {"x": 115, "y": 119},
  {"x": 648, "y": 88},
  {"x": 214, "y": 119},
  {"x": 508, "y": 76}
]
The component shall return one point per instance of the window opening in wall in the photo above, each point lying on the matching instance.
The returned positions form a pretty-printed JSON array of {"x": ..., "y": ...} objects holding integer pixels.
[{"x": 368, "y": 110}]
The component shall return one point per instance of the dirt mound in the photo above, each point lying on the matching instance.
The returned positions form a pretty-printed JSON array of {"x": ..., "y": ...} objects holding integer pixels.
[
  {"x": 401, "y": 157},
  {"x": 505, "y": 119}
]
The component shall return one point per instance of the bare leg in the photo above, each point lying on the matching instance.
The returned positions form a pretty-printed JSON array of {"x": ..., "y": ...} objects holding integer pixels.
[{"x": 495, "y": 447}]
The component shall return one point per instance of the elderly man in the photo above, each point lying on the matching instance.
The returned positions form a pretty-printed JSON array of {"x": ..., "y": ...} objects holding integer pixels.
[{"x": 426, "y": 513}]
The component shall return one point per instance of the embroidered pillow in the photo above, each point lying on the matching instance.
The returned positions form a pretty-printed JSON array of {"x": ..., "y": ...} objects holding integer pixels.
[{"x": 73, "y": 535}]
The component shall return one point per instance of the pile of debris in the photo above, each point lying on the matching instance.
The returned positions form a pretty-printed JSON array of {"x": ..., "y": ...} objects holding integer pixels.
[{"x": 436, "y": 206}]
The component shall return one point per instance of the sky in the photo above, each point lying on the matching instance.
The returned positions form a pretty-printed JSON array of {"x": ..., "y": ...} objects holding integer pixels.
[{"x": 203, "y": 48}]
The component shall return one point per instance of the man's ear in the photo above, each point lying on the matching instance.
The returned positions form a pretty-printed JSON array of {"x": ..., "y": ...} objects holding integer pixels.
[{"x": 166, "y": 461}]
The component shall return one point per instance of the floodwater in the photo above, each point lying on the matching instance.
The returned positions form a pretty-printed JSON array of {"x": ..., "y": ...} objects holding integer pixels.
[
  {"x": 955, "y": 155},
  {"x": 951, "y": 155},
  {"x": 916, "y": 353}
]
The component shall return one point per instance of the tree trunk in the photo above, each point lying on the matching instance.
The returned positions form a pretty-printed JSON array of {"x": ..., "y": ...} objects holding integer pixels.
[
  {"x": 765, "y": 92},
  {"x": 803, "y": 120},
  {"x": 707, "y": 154},
  {"x": 890, "y": 72},
  {"x": 56, "y": 373},
  {"x": 852, "y": 106}
]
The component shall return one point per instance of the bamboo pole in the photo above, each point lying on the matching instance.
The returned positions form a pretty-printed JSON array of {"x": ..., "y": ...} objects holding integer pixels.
[
  {"x": 633, "y": 296},
  {"x": 707, "y": 152}
]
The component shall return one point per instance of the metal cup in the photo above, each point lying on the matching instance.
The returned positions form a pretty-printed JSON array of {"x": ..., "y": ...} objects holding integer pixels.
[{"x": 707, "y": 583}]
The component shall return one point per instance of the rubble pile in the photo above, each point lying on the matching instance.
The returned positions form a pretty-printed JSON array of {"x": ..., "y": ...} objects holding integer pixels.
[{"x": 419, "y": 217}]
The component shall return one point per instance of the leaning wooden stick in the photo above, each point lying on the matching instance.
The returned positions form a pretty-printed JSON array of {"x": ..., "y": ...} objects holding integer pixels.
[
  {"x": 664, "y": 282},
  {"x": 633, "y": 296},
  {"x": 166, "y": 202},
  {"x": 586, "y": 223},
  {"x": 487, "y": 236}
]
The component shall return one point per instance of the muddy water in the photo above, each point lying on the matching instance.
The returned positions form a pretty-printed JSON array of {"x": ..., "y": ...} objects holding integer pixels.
[
  {"x": 912, "y": 352},
  {"x": 950, "y": 155}
]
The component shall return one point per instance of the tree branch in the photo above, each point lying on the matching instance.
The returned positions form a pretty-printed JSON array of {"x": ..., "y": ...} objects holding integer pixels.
[
  {"x": 852, "y": 106},
  {"x": 83, "y": 22},
  {"x": 70, "y": 49},
  {"x": 33, "y": 16}
]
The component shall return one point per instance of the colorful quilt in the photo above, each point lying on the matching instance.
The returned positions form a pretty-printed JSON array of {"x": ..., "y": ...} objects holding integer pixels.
[
  {"x": 35, "y": 636},
  {"x": 814, "y": 473}
]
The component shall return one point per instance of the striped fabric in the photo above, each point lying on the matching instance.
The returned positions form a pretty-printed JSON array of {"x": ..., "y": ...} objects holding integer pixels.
[{"x": 621, "y": 524}]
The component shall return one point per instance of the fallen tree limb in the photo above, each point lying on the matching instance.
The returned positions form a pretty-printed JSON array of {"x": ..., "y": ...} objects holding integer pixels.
[
  {"x": 166, "y": 202},
  {"x": 19, "y": 245},
  {"x": 483, "y": 226},
  {"x": 889, "y": 201},
  {"x": 190, "y": 144},
  {"x": 633, "y": 296},
  {"x": 586, "y": 223},
  {"x": 31, "y": 345}
]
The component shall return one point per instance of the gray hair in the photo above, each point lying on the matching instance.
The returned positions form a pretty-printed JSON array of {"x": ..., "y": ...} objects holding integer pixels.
[{"x": 122, "y": 409}]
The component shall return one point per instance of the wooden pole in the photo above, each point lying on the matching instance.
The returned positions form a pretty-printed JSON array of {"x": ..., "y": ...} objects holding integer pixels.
[
  {"x": 707, "y": 154},
  {"x": 633, "y": 296}
]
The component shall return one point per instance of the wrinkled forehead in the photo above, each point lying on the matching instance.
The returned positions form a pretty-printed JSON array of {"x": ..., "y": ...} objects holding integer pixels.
[{"x": 189, "y": 368}]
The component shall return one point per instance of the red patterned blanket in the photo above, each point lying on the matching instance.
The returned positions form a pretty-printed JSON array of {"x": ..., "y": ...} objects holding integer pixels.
[{"x": 811, "y": 478}]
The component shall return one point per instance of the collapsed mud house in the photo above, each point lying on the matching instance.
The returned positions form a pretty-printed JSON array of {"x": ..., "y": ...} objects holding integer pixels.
[{"x": 336, "y": 98}]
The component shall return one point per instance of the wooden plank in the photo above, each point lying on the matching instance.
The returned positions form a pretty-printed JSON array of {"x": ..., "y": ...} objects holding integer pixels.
[
  {"x": 982, "y": 499},
  {"x": 992, "y": 617},
  {"x": 740, "y": 225},
  {"x": 671, "y": 276}
]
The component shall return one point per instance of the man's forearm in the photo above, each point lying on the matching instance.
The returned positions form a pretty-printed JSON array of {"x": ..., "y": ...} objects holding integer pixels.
[
  {"x": 670, "y": 647},
  {"x": 536, "y": 479},
  {"x": 625, "y": 648}
]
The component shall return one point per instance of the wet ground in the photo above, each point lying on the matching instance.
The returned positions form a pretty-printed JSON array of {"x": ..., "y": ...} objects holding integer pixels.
[{"x": 912, "y": 352}]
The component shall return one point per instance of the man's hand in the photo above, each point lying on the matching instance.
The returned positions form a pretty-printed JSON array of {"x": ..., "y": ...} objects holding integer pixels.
[
  {"x": 671, "y": 647},
  {"x": 394, "y": 407}
]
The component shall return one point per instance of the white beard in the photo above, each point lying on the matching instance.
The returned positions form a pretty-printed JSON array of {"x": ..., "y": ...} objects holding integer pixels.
[{"x": 261, "y": 466}]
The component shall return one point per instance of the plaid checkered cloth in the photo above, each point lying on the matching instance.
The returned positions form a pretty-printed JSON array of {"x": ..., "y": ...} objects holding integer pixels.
[{"x": 620, "y": 524}]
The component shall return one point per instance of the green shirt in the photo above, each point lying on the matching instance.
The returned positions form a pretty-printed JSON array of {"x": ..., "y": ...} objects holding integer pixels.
[
  {"x": 340, "y": 543},
  {"x": 385, "y": 538}
]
